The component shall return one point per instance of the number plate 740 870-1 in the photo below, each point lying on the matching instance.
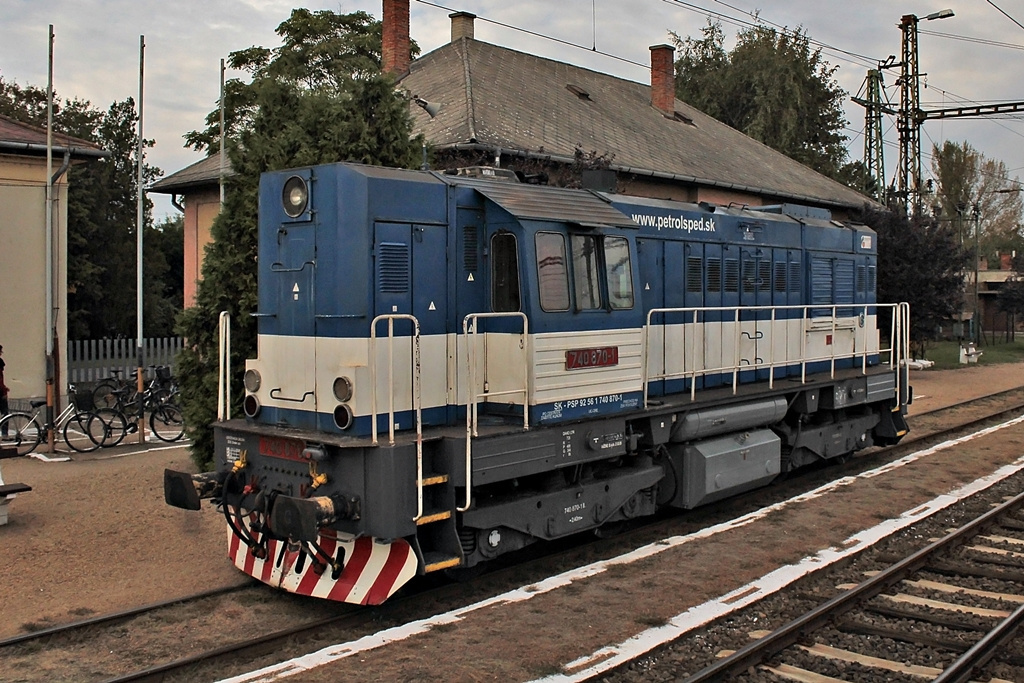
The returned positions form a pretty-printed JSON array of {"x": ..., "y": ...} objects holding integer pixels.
[{"x": 577, "y": 359}]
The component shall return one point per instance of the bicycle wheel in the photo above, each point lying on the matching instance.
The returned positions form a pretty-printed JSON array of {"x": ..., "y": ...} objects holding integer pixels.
[
  {"x": 167, "y": 423},
  {"x": 76, "y": 433},
  {"x": 20, "y": 431},
  {"x": 106, "y": 427},
  {"x": 104, "y": 395}
]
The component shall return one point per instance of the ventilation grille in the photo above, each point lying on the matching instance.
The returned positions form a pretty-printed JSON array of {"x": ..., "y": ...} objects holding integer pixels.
[
  {"x": 694, "y": 276},
  {"x": 393, "y": 268},
  {"x": 714, "y": 275},
  {"x": 794, "y": 276},
  {"x": 471, "y": 248},
  {"x": 732, "y": 275}
]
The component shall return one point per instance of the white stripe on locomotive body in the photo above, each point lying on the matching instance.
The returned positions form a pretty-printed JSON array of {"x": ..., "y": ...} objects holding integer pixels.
[
  {"x": 348, "y": 357},
  {"x": 678, "y": 350},
  {"x": 298, "y": 373}
]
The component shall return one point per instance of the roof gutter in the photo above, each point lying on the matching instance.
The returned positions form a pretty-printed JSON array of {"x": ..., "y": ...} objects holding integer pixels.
[
  {"x": 669, "y": 176},
  {"x": 73, "y": 151}
]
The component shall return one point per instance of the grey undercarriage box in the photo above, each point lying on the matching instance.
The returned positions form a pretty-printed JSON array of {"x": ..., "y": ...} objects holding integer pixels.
[{"x": 718, "y": 468}]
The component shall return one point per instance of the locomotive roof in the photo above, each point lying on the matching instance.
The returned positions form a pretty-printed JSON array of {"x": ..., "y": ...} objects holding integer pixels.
[
  {"x": 493, "y": 97},
  {"x": 536, "y": 202}
]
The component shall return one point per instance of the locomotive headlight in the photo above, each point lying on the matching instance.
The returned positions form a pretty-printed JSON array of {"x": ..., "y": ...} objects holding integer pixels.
[
  {"x": 343, "y": 417},
  {"x": 251, "y": 406},
  {"x": 252, "y": 381},
  {"x": 343, "y": 389},
  {"x": 295, "y": 196}
]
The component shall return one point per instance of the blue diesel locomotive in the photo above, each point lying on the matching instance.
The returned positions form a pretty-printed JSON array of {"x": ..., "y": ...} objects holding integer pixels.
[{"x": 453, "y": 366}]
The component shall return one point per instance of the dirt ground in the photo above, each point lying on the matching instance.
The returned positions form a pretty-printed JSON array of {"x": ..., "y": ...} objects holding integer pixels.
[{"x": 94, "y": 536}]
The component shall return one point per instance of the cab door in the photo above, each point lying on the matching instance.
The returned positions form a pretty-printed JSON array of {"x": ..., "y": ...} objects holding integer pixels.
[
  {"x": 410, "y": 279},
  {"x": 290, "y": 315}
]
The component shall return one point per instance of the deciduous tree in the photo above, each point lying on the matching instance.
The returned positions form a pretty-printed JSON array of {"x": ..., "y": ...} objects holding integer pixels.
[
  {"x": 320, "y": 97},
  {"x": 976, "y": 193},
  {"x": 771, "y": 86}
]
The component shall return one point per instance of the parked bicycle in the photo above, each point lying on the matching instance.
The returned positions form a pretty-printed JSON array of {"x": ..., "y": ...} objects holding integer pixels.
[
  {"x": 103, "y": 395},
  {"x": 122, "y": 418},
  {"x": 83, "y": 430},
  {"x": 161, "y": 386}
]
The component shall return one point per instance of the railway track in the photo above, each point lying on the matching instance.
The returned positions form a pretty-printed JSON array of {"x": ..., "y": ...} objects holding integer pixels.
[
  {"x": 341, "y": 622},
  {"x": 920, "y": 610}
]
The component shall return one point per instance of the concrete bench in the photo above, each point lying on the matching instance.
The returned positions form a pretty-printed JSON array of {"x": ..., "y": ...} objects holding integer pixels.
[
  {"x": 9, "y": 492},
  {"x": 969, "y": 353}
]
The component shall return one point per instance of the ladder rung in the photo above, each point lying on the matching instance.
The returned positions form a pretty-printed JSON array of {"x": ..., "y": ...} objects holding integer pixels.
[
  {"x": 435, "y": 517},
  {"x": 442, "y": 564},
  {"x": 434, "y": 479}
]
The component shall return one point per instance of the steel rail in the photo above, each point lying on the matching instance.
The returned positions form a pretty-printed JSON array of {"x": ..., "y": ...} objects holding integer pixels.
[
  {"x": 115, "y": 616},
  {"x": 965, "y": 666},
  {"x": 778, "y": 640}
]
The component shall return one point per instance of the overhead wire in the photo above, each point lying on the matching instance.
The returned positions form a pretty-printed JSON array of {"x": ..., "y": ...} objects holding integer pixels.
[
  {"x": 757, "y": 20},
  {"x": 592, "y": 50},
  {"x": 1005, "y": 14}
]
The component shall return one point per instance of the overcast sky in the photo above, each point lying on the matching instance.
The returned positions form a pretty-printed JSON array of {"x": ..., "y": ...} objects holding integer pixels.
[{"x": 976, "y": 59}]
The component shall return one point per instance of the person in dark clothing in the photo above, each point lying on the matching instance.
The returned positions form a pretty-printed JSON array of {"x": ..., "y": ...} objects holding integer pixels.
[{"x": 4, "y": 408}]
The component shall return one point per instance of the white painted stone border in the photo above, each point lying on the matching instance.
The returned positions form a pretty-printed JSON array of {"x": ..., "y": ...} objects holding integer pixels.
[{"x": 614, "y": 655}]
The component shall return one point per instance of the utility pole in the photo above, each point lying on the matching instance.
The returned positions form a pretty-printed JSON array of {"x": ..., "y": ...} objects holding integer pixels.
[
  {"x": 874, "y": 107},
  {"x": 908, "y": 172},
  {"x": 910, "y": 116}
]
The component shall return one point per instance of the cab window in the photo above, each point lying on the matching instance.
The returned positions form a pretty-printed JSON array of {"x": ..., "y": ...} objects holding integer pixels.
[
  {"x": 504, "y": 273},
  {"x": 619, "y": 272},
  {"x": 586, "y": 272},
  {"x": 552, "y": 271}
]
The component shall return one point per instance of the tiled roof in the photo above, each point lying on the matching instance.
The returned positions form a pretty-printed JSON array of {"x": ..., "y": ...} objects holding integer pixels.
[
  {"x": 203, "y": 173},
  {"x": 21, "y": 138},
  {"x": 492, "y": 97}
]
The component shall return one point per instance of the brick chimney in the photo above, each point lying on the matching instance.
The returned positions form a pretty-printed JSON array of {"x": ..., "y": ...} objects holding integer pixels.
[
  {"x": 462, "y": 25},
  {"x": 395, "y": 48},
  {"x": 663, "y": 79}
]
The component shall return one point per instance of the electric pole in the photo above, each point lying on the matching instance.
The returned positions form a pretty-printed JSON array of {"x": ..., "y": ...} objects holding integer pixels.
[{"x": 874, "y": 106}]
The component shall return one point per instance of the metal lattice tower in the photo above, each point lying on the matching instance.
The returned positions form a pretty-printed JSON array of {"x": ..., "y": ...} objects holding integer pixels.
[
  {"x": 874, "y": 157},
  {"x": 908, "y": 173}
]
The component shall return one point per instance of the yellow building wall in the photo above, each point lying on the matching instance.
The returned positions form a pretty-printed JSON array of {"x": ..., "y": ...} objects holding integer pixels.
[
  {"x": 201, "y": 208},
  {"x": 23, "y": 319}
]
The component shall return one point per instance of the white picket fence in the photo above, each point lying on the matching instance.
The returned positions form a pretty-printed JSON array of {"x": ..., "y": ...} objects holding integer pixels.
[{"x": 91, "y": 360}]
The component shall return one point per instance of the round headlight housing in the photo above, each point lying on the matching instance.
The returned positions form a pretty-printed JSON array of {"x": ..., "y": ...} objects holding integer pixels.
[
  {"x": 252, "y": 381},
  {"x": 343, "y": 417},
  {"x": 251, "y": 406},
  {"x": 295, "y": 196},
  {"x": 343, "y": 389}
]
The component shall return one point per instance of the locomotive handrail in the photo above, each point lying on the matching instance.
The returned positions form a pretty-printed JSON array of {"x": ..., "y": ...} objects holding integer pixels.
[
  {"x": 224, "y": 367},
  {"x": 416, "y": 399},
  {"x": 859, "y": 313},
  {"x": 472, "y": 397}
]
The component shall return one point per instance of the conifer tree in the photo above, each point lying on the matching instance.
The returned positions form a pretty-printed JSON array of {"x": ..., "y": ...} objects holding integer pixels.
[{"x": 318, "y": 98}]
